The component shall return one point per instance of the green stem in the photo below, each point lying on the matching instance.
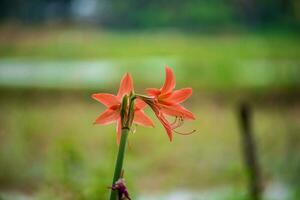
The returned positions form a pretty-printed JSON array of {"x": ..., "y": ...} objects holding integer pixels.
[
  {"x": 119, "y": 163},
  {"x": 126, "y": 122}
]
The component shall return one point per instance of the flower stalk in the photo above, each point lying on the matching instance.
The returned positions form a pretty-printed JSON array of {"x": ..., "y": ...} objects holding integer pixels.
[
  {"x": 126, "y": 121},
  {"x": 119, "y": 162}
]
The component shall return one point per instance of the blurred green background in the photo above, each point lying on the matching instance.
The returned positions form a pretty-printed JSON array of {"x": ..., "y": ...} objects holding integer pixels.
[{"x": 54, "y": 54}]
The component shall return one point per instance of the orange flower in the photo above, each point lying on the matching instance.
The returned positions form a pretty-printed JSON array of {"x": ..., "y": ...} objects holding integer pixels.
[
  {"x": 113, "y": 105},
  {"x": 166, "y": 101}
]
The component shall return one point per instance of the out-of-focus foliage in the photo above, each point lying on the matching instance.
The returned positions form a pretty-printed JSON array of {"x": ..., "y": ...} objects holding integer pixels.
[
  {"x": 192, "y": 14},
  {"x": 49, "y": 66},
  {"x": 195, "y": 14},
  {"x": 50, "y": 149}
]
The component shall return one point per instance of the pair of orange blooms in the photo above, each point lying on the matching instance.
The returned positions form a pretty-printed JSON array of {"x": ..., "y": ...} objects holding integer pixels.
[{"x": 163, "y": 101}]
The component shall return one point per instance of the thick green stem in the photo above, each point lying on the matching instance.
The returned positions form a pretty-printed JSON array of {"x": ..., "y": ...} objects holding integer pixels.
[
  {"x": 119, "y": 163},
  {"x": 126, "y": 122}
]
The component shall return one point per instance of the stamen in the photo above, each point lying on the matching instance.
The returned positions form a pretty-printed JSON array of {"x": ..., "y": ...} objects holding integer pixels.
[
  {"x": 184, "y": 133},
  {"x": 179, "y": 120},
  {"x": 174, "y": 122},
  {"x": 178, "y": 123}
]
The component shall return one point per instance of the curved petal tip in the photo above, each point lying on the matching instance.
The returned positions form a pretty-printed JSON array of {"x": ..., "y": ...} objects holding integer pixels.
[
  {"x": 170, "y": 82},
  {"x": 126, "y": 85}
]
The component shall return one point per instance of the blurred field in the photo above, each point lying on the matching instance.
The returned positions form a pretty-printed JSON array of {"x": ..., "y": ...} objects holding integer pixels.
[
  {"x": 49, "y": 148},
  {"x": 217, "y": 61}
]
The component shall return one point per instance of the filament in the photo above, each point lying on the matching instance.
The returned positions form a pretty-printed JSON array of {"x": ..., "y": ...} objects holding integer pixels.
[
  {"x": 174, "y": 122},
  {"x": 184, "y": 133},
  {"x": 178, "y": 122}
]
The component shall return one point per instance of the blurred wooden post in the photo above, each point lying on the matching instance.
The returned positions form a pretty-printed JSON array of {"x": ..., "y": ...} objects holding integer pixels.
[{"x": 249, "y": 150}]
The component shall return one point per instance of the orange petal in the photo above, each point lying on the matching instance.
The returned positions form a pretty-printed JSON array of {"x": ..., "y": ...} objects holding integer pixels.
[
  {"x": 177, "y": 111},
  {"x": 107, "y": 117},
  {"x": 170, "y": 83},
  {"x": 126, "y": 86},
  {"x": 169, "y": 133},
  {"x": 119, "y": 130},
  {"x": 107, "y": 99},
  {"x": 166, "y": 125},
  {"x": 162, "y": 119},
  {"x": 179, "y": 96},
  {"x": 139, "y": 104},
  {"x": 142, "y": 119},
  {"x": 153, "y": 92}
]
